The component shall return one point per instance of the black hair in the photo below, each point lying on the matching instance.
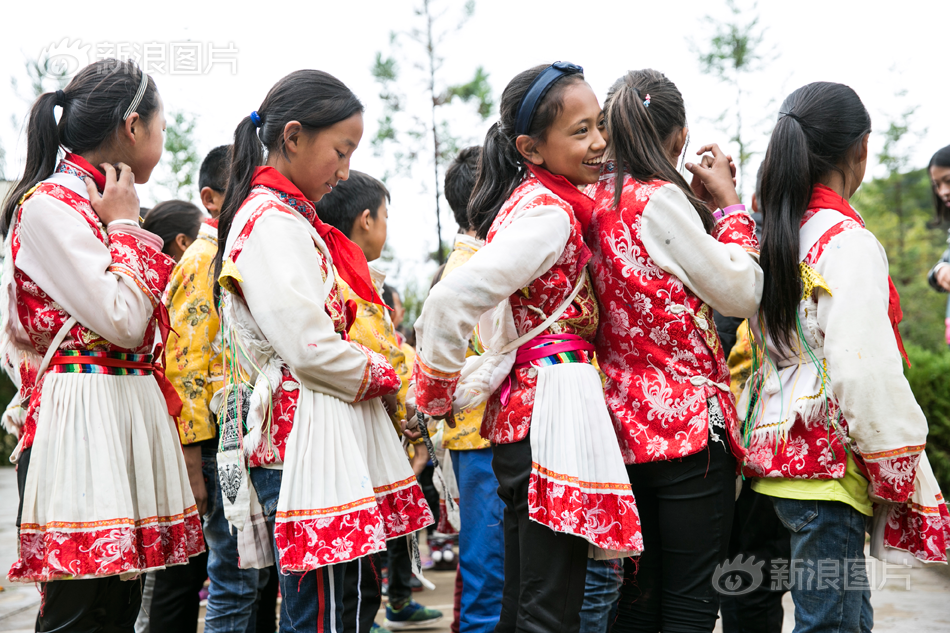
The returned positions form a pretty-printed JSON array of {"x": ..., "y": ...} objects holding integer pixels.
[
  {"x": 501, "y": 166},
  {"x": 459, "y": 182},
  {"x": 349, "y": 199},
  {"x": 214, "y": 169},
  {"x": 170, "y": 218},
  {"x": 388, "y": 292},
  {"x": 314, "y": 99},
  {"x": 641, "y": 136},
  {"x": 820, "y": 127},
  {"x": 93, "y": 103},
  {"x": 940, "y": 159}
]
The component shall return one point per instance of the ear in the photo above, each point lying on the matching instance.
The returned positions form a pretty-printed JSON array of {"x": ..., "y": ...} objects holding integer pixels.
[
  {"x": 132, "y": 125},
  {"x": 207, "y": 200},
  {"x": 292, "y": 136},
  {"x": 362, "y": 220},
  {"x": 528, "y": 147},
  {"x": 183, "y": 241},
  {"x": 755, "y": 203},
  {"x": 863, "y": 156}
]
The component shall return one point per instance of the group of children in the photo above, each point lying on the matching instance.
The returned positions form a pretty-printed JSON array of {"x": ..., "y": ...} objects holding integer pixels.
[{"x": 567, "y": 353}]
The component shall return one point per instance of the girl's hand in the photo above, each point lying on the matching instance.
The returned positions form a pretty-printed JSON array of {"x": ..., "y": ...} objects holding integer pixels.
[
  {"x": 717, "y": 176},
  {"x": 118, "y": 201}
]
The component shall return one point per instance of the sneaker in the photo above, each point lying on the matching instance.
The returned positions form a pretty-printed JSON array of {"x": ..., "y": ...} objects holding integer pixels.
[
  {"x": 375, "y": 628},
  {"x": 411, "y": 615}
]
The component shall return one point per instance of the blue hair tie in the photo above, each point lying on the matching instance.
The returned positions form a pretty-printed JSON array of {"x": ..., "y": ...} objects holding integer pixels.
[
  {"x": 539, "y": 87},
  {"x": 255, "y": 118}
]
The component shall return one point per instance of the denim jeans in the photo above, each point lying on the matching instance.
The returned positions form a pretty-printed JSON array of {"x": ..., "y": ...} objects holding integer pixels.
[
  {"x": 601, "y": 592},
  {"x": 233, "y": 592},
  {"x": 827, "y": 573},
  {"x": 312, "y": 601}
]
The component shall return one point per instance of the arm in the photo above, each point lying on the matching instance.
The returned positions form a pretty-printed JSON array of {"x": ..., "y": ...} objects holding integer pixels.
[
  {"x": 865, "y": 365},
  {"x": 932, "y": 275},
  {"x": 112, "y": 290},
  {"x": 284, "y": 291},
  {"x": 721, "y": 273}
]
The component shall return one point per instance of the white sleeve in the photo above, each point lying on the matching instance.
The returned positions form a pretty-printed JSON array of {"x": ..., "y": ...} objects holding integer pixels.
[
  {"x": 865, "y": 365},
  {"x": 61, "y": 254},
  {"x": 517, "y": 255},
  {"x": 284, "y": 291},
  {"x": 723, "y": 275}
]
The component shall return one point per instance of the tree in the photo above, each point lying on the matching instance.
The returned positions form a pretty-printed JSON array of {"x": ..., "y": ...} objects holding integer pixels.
[
  {"x": 732, "y": 55},
  {"x": 181, "y": 157},
  {"x": 419, "y": 135}
]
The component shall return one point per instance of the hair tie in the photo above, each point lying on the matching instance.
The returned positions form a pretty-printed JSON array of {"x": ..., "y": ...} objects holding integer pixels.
[
  {"x": 536, "y": 91},
  {"x": 646, "y": 102},
  {"x": 61, "y": 98},
  {"x": 782, "y": 115},
  {"x": 255, "y": 118},
  {"x": 137, "y": 99}
]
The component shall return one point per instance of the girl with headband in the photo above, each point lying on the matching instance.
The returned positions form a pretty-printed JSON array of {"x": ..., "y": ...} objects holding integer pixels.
[
  {"x": 329, "y": 473},
  {"x": 555, "y": 455},
  {"x": 104, "y": 492}
]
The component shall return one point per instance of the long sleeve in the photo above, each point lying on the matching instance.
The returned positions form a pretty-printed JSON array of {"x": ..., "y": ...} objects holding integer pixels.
[
  {"x": 865, "y": 364},
  {"x": 932, "y": 275},
  {"x": 112, "y": 290},
  {"x": 721, "y": 273},
  {"x": 284, "y": 290}
]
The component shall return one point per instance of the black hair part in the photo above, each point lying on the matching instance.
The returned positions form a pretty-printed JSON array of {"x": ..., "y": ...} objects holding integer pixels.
[
  {"x": 940, "y": 159},
  {"x": 214, "y": 169},
  {"x": 314, "y": 99},
  {"x": 170, "y": 218},
  {"x": 641, "y": 137},
  {"x": 95, "y": 101},
  {"x": 501, "y": 166},
  {"x": 459, "y": 183},
  {"x": 820, "y": 128},
  {"x": 349, "y": 199}
]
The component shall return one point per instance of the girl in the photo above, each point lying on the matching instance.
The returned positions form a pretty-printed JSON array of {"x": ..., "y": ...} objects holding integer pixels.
[
  {"x": 327, "y": 468},
  {"x": 939, "y": 169},
  {"x": 559, "y": 469},
  {"x": 176, "y": 222},
  {"x": 661, "y": 263},
  {"x": 104, "y": 493},
  {"x": 831, "y": 424}
]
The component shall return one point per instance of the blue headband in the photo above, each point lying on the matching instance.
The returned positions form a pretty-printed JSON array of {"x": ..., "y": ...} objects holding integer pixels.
[{"x": 541, "y": 84}]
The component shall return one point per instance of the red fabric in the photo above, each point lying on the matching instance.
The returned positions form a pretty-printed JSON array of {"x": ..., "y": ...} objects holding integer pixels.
[
  {"x": 86, "y": 166},
  {"x": 560, "y": 186},
  {"x": 347, "y": 256},
  {"x": 823, "y": 197}
]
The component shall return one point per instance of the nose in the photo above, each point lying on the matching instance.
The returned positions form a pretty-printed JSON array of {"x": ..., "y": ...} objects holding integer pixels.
[
  {"x": 344, "y": 172},
  {"x": 600, "y": 140}
]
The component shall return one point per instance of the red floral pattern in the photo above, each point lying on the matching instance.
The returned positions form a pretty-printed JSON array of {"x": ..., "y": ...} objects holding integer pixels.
[
  {"x": 284, "y": 401},
  {"x": 737, "y": 228},
  {"x": 433, "y": 388},
  {"x": 922, "y": 531},
  {"x": 892, "y": 473},
  {"x": 379, "y": 377}
]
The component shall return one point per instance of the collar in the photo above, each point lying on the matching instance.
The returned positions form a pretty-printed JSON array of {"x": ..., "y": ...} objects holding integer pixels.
[
  {"x": 823, "y": 197},
  {"x": 580, "y": 202},
  {"x": 76, "y": 165},
  {"x": 467, "y": 241}
]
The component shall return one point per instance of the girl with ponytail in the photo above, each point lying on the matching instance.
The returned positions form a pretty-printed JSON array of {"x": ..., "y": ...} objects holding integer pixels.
[
  {"x": 104, "y": 492},
  {"x": 331, "y": 476},
  {"x": 832, "y": 429},
  {"x": 662, "y": 261},
  {"x": 555, "y": 455}
]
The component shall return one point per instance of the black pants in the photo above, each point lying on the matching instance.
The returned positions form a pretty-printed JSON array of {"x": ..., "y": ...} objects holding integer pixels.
[
  {"x": 756, "y": 532},
  {"x": 361, "y": 593},
  {"x": 430, "y": 493},
  {"x": 686, "y": 508},
  {"x": 545, "y": 570},
  {"x": 175, "y": 601},
  {"x": 400, "y": 572}
]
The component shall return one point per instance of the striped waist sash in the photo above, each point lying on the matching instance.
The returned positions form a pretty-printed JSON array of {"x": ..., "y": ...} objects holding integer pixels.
[{"x": 111, "y": 363}]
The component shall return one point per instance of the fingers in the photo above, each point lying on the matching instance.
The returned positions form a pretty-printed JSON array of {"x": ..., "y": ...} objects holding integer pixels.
[
  {"x": 126, "y": 177},
  {"x": 450, "y": 420},
  {"x": 94, "y": 196}
]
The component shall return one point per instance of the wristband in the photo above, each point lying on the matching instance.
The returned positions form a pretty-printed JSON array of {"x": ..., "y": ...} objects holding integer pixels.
[
  {"x": 721, "y": 213},
  {"x": 123, "y": 221}
]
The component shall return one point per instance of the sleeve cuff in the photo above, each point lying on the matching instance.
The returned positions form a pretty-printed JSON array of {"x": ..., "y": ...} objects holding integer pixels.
[
  {"x": 138, "y": 233},
  {"x": 434, "y": 389}
]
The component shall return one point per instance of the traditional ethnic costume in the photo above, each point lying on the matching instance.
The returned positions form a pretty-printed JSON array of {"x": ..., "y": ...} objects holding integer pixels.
[
  {"x": 563, "y": 484},
  {"x": 104, "y": 489},
  {"x": 658, "y": 276}
]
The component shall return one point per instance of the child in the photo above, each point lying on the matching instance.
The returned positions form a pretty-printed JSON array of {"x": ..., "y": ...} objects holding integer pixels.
[
  {"x": 358, "y": 208},
  {"x": 326, "y": 466},
  {"x": 661, "y": 263},
  {"x": 831, "y": 424},
  {"x": 559, "y": 470},
  {"x": 104, "y": 492},
  {"x": 177, "y": 223}
]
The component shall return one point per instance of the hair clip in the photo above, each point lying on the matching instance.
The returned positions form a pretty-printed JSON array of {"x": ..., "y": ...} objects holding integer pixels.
[
  {"x": 646, "y": 102},
  {"x": 255, "y": 118}
]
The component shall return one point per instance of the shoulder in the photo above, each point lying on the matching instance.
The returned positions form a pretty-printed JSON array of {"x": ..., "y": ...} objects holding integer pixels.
[
  {"x": 634, "y": 193},
  {"x": 840, "y": 232}
]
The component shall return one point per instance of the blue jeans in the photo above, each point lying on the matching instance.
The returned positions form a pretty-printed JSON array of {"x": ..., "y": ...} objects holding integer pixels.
[
  {"x": 312, "y": 601},
  {"x": 481, "y": 541},
  {"x": 601, "y": 592},
  {"x": 233, "y": 592},
  {"x": 827, "y": 574}
]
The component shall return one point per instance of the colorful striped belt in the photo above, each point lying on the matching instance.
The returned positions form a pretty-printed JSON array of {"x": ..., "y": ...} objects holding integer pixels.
[{"x": 545, "y": 350}]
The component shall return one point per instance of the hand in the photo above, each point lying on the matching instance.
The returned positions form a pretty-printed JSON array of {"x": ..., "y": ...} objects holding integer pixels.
[
  {"x": 943, "y": 277},
  {"x": 448, "y": 417},
  {"x": 196, "y": 477},
  {"x": 696, "y": 184},
  {"x": 118, "y": 201},
  {"x": 413, "y": 433},
  {"x": 419, "y": 459},
  {"x": 717, "y": 176},
  {"x": 389, "y": 403}
]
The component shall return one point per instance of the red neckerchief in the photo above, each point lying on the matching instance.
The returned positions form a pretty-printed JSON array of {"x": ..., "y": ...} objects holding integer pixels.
[
  {"x": 560, "y": 186},
  {"x": 212, "y": 222},
  {"x": 347, "y": 256},
  {"x": 85, "y": 168},
  {"x": 823, "y": 197}
]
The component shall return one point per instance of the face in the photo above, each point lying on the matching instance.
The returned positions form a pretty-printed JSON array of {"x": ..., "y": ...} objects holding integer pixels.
[
  {"x": 940, "y": 177},
  {"x": 149, "y": 143},
  {"x": 575, "y": 142},
  {"x": 319, "y": 160},
  {"x": 375, "y": 237}
]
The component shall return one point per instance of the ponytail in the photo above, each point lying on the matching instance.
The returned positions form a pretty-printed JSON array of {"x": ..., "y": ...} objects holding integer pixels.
[
  {"x": 820, "y": 126},
  {"x": 640, "y": 136}
]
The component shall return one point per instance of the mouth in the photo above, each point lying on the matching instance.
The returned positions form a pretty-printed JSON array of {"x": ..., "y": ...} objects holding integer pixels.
[
  {"x": 329, "y": 186},
  {"x": 597, "y": 161}
]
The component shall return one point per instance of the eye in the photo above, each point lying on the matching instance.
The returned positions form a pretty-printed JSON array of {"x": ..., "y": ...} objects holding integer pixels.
[
  {"x": 583, "y": 130},
  {"x": 340, "y": 154}
]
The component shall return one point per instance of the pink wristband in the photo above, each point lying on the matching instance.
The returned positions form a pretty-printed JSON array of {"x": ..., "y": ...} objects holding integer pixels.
[{"x": 718, "y": 215}]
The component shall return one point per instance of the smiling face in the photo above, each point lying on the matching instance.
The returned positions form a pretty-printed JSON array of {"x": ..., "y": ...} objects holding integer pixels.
[
  {"x": 575, "y": 143},
  {"x": 940, "y": 178},
  {"x": 320, "y": 159}
]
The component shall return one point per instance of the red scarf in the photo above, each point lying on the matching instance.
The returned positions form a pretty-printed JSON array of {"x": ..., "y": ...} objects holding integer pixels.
[
  {"x": 560, "y": 186},
  {"x": 98, "y": 177},
  {"x": 823, "y": 197},
  {"x": 347, "y": 257}
]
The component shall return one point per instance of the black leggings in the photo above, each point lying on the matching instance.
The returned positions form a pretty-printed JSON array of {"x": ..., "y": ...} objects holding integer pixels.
[
  {"x": 686, "y": 508},
  {"x": 545, "y": 570},
  {"x": 361, "y": 593}
]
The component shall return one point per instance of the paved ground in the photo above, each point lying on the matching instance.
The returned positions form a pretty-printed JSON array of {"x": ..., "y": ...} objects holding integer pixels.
[{"x": 905, "y": 601}]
